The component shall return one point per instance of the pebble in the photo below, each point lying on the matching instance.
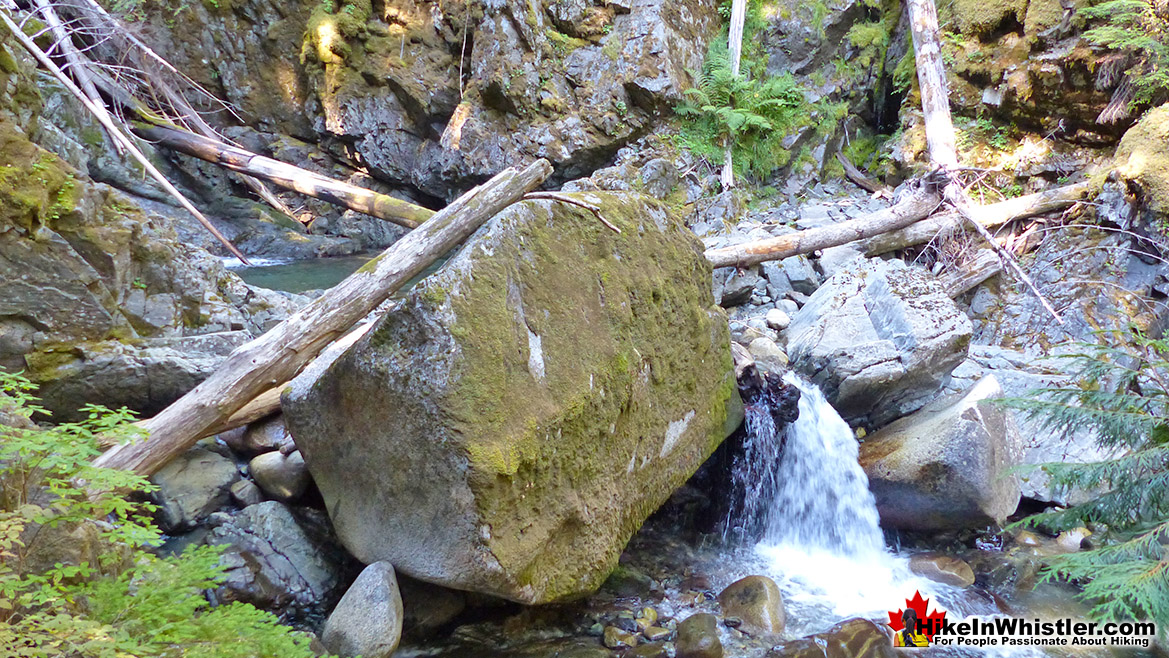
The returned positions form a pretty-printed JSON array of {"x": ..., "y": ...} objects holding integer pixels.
[{"x": 615, "y": 638}]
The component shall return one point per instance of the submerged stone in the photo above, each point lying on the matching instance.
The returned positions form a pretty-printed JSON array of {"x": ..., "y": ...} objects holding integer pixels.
[{"x": 509, "y": 427}]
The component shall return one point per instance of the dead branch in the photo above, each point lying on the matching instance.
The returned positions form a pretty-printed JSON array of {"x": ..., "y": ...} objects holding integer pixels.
[
  {"x": 858, "y": 177},
  {"x": 278, "y": 355},
  {"x": 595, "y": 210},
  {"x": 113, "y": 130}
]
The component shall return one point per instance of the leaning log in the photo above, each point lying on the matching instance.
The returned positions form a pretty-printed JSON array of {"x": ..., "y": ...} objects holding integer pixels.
[
  {"x": 288, "y": 176},
  {"x": 989, "y": 216},
  {"x": 278, "y": 355},
  {"x": 962, "y": 279},
  {"x": 911, "y": 209}
]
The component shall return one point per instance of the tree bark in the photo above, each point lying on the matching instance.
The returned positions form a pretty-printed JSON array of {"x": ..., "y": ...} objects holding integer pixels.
[
  {"x": 278, "y": 355},
  {"x": 918, "y": 205},
  {"x": 287, "y": 176},
  {"x": 989, "y": 216},
  {"x": 931, "y": 80},
  {"x": 984, "y": 265},
  {"x": 735, "y": 49}
]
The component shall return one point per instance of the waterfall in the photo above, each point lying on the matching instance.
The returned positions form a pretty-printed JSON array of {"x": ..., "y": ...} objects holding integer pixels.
[
  {"x": 821, "y": 495},
  {"x": 801, "y": 486}
]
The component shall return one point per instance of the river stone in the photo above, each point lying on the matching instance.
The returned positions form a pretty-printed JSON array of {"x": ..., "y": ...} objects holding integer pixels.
[
  {"x": 698, "y": 637},
  {"x": 615, "y": 638},
  {"x": 192, "y": 486},
  {"x": 880, "y": 339},
  {"x": 757, "y": 601},
  {"x": 367, "y": 621},
  {"x": 510, "y": 426},
  {"x": 941, "y": 568},
  {"x": 283, "y": 477},
  {"x": 852, "y": 638},
  {"x": 277, "y": 560},
  {"x": 948, "y": 465}
]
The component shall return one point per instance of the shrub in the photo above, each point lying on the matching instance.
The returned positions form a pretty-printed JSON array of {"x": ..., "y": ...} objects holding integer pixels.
[{"x": 128, "y": 602}]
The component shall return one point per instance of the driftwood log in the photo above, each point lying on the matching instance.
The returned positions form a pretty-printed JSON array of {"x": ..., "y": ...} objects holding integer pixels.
[
  {"x": 278, "y": 355},
  {"x": 288, "y": 176},
  {"x": 909, "y": 210}
]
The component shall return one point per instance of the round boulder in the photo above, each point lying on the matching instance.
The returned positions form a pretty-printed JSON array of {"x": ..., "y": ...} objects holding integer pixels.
[
  {"x": 757, "y": 601},
  {"x": 368, "y": 620},
  {"x": 698, "y": 637}
]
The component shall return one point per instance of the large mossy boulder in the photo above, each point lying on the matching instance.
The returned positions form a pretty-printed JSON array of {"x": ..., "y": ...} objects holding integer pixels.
[
  {"x": 880, "y": 338},
  {"x": 947, "y": 466},
  {"x": 1142, "y": 161},
  {"x": 515, "y": 420}
]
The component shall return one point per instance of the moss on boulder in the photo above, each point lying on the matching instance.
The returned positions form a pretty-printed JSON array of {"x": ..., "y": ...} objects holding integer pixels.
[
  {"x": 516, "y": 420},
  {"x": 1143, "y": 160}
]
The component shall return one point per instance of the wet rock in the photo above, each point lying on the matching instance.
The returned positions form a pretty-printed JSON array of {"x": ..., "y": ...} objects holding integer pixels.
[
  {"x": 527, "y": 450},
  {"x": 1073, "y": 540},
  {"x": 283, "y": 477},
  {"x": 191, "y": 487},
  {"x": 657, "y": 633},
  {"x": 880, "y": 339},
  {"x": 367, "y": 621},
  {"x": 946, "y": 466},
  {"x": 427, "y": 608},
  {"x": 854, "y": 638},
  {"x": 656, "y": 650},
  {"x": 278, "y": 561},
  {"x": 942, "y": 568},
  {"x": 245, "y": 492},
  {"x": 698, "y": 637},
  {"x": 615, "y": 638},
  {"x": 757, "y": 601},
  {"x": 627, "y": 581}
]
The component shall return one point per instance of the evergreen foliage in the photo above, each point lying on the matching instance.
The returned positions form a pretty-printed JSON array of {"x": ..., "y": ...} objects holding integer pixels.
[
  {"x": 751, "y": 109},
  {"x": 755, "y": 114},
  {"x": 129, "y": 602},
  {"x": 1120, "y": 392},
  {"x": 1139, "y": 28}
]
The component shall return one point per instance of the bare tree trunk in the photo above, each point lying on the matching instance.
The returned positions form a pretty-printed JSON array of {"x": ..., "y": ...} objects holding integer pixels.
[
  {"x": 287, "y": 176},
  {"x": 989, "y": 216},
  {"x": 931, "y": 79},
  {"x": 904, "y": 213},
  {"x": 278, "y": 355},
  {"x": 735, "y": 49}
]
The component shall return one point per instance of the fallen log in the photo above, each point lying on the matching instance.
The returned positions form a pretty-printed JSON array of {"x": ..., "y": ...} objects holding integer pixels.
[
  {"x": 911, "y": 209},
  {"x": 852, "y": 173},
  {"x": 974, "y": 271},
  {"x": 278, "y": 355},
  {"x": 989, "y": 216},
  {"x": 288, "y": 176}
]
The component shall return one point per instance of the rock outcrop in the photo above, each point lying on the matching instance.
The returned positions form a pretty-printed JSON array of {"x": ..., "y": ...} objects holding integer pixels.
[
  {"x": 880, "y": 339},
  {"x": 946, "y": 466},
  {"x": 513, "y": 422}
]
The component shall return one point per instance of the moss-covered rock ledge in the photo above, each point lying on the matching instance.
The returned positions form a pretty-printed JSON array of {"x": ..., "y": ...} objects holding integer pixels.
[{"x": 510, "y": 427}]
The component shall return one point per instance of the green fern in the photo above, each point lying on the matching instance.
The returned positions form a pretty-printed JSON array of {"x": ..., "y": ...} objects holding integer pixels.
[
  {"x": 1121, "y": 394},
  {"x": 753, "y": 114}
]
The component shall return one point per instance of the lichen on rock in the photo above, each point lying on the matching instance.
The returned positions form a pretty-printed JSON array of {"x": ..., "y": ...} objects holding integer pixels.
[{"x": 509, "y": 427}]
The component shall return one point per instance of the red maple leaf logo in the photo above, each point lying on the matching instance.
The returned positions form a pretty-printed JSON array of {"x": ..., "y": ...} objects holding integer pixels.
[{"x": 930, "y": 622}]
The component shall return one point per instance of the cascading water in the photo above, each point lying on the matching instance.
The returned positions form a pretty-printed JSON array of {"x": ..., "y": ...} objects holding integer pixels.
[{"x": 822, "y": 498}]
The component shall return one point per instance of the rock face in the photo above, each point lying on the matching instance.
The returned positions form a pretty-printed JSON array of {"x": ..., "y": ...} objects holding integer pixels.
[
  {"x": 440, "y": 97},
  {"x": 1143, "y": 163},
  {"x": 757, "y": 601},
  {"x": 946, "y": 466},
  {"x": 367, "y": 621},
  {"x": 879, "y": 338},
  {"x": 529, "y": 405}
]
